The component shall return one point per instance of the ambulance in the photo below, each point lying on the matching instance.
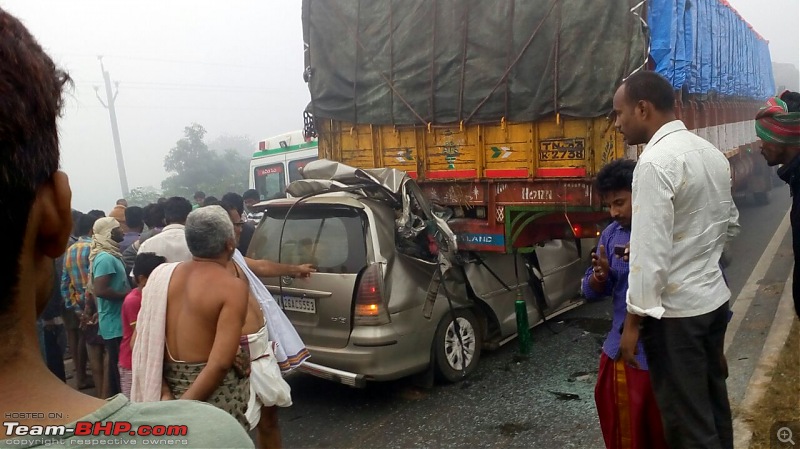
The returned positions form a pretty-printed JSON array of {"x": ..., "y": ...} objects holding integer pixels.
[{"x": 279, "y": 161}]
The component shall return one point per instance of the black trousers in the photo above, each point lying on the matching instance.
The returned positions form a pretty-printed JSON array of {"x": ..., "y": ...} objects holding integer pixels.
[
  {"x": 688, "y": 372},
  {"x": 796, "y": 283},
  {"x": 112, "y": 346}
]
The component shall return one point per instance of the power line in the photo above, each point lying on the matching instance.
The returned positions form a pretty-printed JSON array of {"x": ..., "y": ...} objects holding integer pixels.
[
  {"x": 198, "y": 88},
  {"x": 197, "y": 108},
  {"x": 184, "y": 87},
  {"x": 172, "y": 61}
]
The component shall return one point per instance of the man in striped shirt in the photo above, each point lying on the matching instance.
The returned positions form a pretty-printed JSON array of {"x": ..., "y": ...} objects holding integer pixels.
[
  {"x": 683, "y": 213},
  {"x": 74, "y": 278}
]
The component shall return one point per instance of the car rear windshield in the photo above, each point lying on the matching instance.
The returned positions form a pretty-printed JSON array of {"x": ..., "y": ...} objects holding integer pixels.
[{"x": 333, "y": 239}]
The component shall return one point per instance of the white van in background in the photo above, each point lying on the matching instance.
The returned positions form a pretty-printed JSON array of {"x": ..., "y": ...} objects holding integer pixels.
[{"x": 279, "y": 161}]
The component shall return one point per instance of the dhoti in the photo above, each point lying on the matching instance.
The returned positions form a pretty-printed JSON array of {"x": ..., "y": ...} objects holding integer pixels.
[
  {"x": 231, "y": 396},
  {"x": 267, "y": 387},
  {"x": 626, "y": 406}
]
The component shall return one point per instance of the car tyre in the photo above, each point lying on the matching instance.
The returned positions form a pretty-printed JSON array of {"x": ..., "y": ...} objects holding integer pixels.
[{"x": 446, "y": 348}]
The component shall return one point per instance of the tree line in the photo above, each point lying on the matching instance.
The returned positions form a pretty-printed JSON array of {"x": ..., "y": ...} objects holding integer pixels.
[{"x": 192, "y": 165}]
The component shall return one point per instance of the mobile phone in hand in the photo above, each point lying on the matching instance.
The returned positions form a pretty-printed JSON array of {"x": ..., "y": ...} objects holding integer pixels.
[{"x": 619, "y": 250}]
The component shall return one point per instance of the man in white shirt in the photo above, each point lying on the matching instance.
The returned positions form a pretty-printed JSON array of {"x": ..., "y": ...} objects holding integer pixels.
[
  {"x": 683, "y": 214},
  {"x": 170, "y": 243}
]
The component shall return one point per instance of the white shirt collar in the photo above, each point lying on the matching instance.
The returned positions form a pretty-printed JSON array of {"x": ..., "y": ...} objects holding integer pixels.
[
  {"x": 665, "y": 130},
  {"x": 173, "y": 226}
]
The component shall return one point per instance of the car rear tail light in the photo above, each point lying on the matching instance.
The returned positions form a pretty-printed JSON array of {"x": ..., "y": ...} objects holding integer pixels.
[{"x": 370, "y": 309}]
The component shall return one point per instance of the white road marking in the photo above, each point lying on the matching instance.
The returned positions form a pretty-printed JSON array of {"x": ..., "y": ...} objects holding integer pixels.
[{"x": 742, "y": 303}]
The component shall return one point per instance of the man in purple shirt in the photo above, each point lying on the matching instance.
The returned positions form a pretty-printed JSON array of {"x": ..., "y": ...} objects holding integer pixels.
[{"x": 626, "y": 405}]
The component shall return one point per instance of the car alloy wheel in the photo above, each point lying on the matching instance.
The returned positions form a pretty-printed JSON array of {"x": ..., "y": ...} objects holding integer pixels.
[
  {"x": 452, "y": 344},
  {"x": 450, "y": 359}
]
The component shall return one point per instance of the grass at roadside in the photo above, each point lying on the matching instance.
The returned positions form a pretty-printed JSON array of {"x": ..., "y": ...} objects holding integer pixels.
[{"x": 781, "y": 401}]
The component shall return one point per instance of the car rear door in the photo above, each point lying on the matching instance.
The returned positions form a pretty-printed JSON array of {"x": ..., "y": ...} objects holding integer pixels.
[{"x": 333, "y": 239}]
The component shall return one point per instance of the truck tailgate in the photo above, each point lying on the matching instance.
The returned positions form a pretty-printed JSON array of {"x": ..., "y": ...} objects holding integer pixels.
[{"x": 555, "y": 147}]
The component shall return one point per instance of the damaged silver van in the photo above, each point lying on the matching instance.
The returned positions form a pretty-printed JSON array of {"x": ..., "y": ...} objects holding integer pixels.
[{"x": 393, "y": 295}]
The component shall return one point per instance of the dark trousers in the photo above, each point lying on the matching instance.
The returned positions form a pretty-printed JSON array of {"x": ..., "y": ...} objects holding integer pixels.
[
  {"x": 112, "y": 347},
  {"x": 687, "y": 370},
  {"x": 53, "y": 351},
  {"x": 796, "y": 283}
]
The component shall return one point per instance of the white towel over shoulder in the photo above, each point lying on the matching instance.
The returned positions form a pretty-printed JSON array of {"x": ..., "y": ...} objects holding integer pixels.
[
  {"x": 290, "y": 351},
  {"x": 148, "y": 350}
]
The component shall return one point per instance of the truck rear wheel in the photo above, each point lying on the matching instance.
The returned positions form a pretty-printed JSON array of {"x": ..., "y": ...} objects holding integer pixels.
[{"x": 447, "y": 349}]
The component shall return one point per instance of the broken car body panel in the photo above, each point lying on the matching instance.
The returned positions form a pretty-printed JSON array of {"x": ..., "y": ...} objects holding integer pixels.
[{"x": 346, "y": 220}]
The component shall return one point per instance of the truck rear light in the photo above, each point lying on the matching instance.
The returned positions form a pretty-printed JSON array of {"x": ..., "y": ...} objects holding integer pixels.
[
  {"x": 582, "y": 231},
  {"x": 370, "y": 309}
]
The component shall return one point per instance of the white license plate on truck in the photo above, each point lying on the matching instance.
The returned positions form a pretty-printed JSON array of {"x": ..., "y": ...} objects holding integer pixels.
[{"x": 297, "y": 304}]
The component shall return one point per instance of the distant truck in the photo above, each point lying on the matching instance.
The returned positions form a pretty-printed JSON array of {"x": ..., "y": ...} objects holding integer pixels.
[
  {"x": 279, "y": 161},
  {"x": 499, "y": 109}
]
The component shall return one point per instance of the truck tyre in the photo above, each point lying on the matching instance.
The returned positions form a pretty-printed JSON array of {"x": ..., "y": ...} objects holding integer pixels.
[
  {"x": 761, "y": 198},
  {"x": 447, "y": 352}
]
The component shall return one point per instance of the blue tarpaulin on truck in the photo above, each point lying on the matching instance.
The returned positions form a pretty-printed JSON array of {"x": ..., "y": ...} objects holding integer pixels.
[{"x": 704, "y": 46}]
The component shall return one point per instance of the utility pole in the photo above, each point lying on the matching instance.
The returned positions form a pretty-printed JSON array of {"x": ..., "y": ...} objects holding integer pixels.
[{"x": 112, "y": 112}]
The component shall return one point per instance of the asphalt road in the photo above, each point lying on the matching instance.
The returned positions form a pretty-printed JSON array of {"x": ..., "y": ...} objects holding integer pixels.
[{"x": 544, "y": 400}]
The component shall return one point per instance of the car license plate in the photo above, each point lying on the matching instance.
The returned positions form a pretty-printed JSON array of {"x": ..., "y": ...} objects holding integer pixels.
[{"x": 295, "y": 304}]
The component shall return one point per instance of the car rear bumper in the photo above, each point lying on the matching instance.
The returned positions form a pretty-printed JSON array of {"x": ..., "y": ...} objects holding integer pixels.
[
  {"x": 372, "y": 354},
  {"x": 339, "y": 376}
]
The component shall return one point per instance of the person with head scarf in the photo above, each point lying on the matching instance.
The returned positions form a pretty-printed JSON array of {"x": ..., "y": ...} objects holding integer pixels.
[
  {"x": 109, "y": 284},
  {"x": 778, "y": 127}
]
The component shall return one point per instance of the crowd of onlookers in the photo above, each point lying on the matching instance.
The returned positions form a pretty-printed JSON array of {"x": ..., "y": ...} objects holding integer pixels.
[
  {"x": 91, "y": 331},
  {"x": 99, "y": 303}
]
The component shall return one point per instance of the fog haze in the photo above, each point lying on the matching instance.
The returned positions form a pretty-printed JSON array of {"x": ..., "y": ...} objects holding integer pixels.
[{"x": 234, "y": 67}]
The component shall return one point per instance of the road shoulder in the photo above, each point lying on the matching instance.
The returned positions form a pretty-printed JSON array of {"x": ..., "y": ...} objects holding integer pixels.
[{"x": 766, "y": 383}]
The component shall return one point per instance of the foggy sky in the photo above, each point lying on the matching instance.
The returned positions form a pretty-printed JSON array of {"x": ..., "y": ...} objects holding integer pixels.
[{"x": 234, "y": 66}]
